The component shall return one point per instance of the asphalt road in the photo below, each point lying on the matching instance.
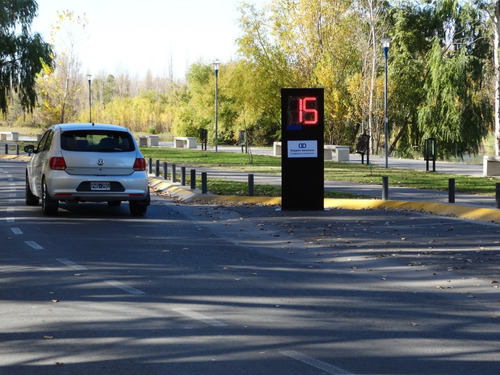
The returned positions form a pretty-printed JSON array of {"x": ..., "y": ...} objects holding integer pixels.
[{"x": 196, "y": 289}]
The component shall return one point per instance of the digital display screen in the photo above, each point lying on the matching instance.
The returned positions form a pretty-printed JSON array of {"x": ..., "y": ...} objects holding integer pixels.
[
  {"x": 302, "y": 140},
  {"x": 302, "y": 111}
]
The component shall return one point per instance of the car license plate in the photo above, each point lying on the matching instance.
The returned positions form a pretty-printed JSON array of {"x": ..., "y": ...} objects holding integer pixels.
[{"x": 100, "y": 186}]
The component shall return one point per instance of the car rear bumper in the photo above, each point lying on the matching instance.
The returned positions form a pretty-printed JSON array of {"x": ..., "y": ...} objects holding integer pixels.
[{"x": 63, "y": 186}]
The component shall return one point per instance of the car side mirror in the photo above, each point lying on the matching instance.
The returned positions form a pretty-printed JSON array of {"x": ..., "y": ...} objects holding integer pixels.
[{"x": 30, "y": 149}]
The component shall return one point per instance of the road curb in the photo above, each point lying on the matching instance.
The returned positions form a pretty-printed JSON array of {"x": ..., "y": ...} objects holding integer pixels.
[
  {"x": 184, "y": 194},
  {"x": 442, "y": 209},
  {"x": 14, "y": 157}
]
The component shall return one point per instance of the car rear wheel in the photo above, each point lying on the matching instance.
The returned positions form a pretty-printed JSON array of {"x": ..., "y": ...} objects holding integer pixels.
[
  {"x": 31, "y": 199},
  {"x": 49, "y": 205},
  {"x": 139, "y": 208}
]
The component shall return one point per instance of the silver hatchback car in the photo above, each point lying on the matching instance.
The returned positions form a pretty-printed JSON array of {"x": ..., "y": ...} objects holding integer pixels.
[{"x": 87, "y": 162}]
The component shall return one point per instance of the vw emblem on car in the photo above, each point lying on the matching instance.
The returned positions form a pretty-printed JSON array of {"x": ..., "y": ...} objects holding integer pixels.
[{"x": 100, "y": 162}]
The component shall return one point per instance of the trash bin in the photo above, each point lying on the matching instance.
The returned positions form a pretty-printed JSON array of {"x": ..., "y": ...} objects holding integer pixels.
[
  {"x": 363, "y": 147},
  {"x": 430, "y": 153},
  {"x": 242, "y": 142},
  {"x": 203, "y": 138}
]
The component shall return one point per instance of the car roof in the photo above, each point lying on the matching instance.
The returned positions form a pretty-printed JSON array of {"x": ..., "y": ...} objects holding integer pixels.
[{"x": 87, "y": 126}]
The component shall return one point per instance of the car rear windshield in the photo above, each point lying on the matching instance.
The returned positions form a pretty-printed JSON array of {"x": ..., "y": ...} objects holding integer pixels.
[{"x": 97, "y": 140}]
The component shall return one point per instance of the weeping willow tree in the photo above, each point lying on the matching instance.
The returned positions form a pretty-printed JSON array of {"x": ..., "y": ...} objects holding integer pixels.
[
  {"x": 441, "y": 77},
  {"x": 456, "y": 108}
]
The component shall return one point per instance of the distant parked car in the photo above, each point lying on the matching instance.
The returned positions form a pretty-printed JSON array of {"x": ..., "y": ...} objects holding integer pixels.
[{"x": 87, "y": 162}]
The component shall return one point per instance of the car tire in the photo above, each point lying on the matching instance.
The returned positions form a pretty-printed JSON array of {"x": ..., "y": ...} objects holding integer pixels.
[
  {"x": 139, "y": 208},
  {"x": 49, "y": 205},
  {"x": 31, "y": 199}
]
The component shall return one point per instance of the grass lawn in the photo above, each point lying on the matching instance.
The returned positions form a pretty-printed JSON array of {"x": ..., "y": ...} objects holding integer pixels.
[{"x": 334, "y": 171}]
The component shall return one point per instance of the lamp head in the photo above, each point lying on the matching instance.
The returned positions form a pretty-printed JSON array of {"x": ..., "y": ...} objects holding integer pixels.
[{"x": 386, "y": 41}]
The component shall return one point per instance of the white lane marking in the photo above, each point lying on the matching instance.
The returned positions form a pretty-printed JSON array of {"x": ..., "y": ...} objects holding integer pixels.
[
  {"x": 197, "y": 316},
  {"x": 16, "y": 230},
  {"x": 73, "y": 265},
  {"x": 12, "y": 195},
  {"x": 10, "y": 210},
  {"x": 34, "y": 245},
  {"x": 124, "y": 287},
  {"x": 334, "y": 370},
  {"x": 10, "y": 220}
]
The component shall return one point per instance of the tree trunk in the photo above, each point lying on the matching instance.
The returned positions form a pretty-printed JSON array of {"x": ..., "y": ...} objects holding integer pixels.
[
  {"x": 401, "y": 131},
  {"x": 497, "y": 78},
  {"x": 373, "y": 73}
]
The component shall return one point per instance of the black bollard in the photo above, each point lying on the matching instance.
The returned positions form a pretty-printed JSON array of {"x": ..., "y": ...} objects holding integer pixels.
[
  {"x": 165, "y": 170},
  {"x": 193, "y": 179},
  {"x": 385, "y": 188},
  {"x": 174, "y": 173},
  {"x": 451, "y": 190},
  {"x": 497, "y": 195},
  {"x": 183, "y": 176},
  {"x": 150, "y": 166},
  {"x": 157, "y": 168},
  {"x": 204, "y": 184},
  {"x": 250, "y": 185}
]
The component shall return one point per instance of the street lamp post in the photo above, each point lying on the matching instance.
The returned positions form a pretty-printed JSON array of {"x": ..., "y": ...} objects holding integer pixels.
[
  {"x": 385, "y": 43},
  {"x": 216, "y": 68},
  {"x": 90, "y": 98}
]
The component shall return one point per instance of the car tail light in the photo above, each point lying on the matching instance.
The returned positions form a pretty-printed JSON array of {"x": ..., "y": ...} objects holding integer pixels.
[
  {"x": 140, "y": 164},
  {"x": 57, "y": 163}
]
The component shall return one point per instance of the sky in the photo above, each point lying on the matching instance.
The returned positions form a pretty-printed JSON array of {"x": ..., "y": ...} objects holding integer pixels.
[{"x": 134, "y": 36}]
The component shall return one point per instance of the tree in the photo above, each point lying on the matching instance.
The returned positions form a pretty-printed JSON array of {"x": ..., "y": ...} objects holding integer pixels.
[
  {"x": 453, "y": 110},
  {"x": 21, "y": 52},
  {"x": 301, "y": 43},
  {"x": 264, "y": 69},
  {"x": 412, "y": 31},
  {"x": 492, "y": 11},
  {"x": 60, "y": 86},
  {"x": 456, "y": 107},
  {"x": 442, "y": 93},
  {"x": 496, "y": 47},
  {"x": 372, "y": 30}
]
